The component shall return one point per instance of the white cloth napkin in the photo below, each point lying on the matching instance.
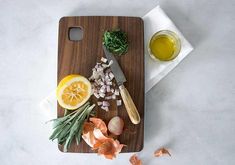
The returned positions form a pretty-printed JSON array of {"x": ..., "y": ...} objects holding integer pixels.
[{"x": 154, "y": 21}]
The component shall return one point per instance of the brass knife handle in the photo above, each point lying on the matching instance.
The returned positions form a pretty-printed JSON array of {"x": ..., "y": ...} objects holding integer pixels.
[{"x": 130, "y": 106}]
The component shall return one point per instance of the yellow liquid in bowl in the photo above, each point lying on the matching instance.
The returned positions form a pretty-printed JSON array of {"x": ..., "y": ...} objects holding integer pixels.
[{"x": 164, "y": 46}]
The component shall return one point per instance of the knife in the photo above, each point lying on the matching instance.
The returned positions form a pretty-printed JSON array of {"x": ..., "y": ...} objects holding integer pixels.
[{"x": 120, "y": 79}]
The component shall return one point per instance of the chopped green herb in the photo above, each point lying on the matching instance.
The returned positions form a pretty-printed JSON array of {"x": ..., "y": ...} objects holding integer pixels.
[{"x": 116, "y": 41}]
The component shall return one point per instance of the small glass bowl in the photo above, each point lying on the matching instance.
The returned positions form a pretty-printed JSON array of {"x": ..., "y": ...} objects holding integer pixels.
[{"x": 175, "y": 39}]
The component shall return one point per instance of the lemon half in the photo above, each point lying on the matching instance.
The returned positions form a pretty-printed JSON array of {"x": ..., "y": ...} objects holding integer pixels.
[{"x": 73, "y": 91}]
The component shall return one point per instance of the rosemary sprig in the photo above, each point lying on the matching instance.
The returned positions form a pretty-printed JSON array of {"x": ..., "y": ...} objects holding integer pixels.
[{"x": 70, "y": 126}]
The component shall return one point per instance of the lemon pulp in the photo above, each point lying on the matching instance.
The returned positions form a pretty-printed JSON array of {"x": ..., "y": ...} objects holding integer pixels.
[{"x": 73, "y": 91}]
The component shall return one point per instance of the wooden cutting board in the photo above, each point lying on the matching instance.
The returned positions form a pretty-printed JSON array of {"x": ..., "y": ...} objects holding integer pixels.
[{"x": 79, "y": 57}]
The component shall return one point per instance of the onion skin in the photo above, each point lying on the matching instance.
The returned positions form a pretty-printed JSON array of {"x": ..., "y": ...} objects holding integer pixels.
[{"x": 115, "y": 125}]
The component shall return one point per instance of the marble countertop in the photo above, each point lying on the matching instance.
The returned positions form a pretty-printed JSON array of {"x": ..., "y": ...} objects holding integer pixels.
[{"x": 191, "y": 111}]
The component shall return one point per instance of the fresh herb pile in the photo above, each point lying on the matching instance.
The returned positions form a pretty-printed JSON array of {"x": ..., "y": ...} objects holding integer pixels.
[
  {"x": 116, "y": 41},
  {"x": 70, "y": 126}
]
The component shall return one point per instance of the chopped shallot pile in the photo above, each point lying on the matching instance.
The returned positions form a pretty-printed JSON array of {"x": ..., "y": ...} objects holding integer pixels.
[
  {"x": 103, "y": 86},
  {"x": 96, "y": 136}
]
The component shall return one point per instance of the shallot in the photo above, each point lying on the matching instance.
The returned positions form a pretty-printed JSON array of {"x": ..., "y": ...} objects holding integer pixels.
[
  {"x": 113, "y": 96},
  {"x": 96, "y": 95},
  {"x": 104, "y": 60},
  {"x": 105, "y": 108},
  {"x": 115, "y": 125},
  {"x": 102, "y": 95},
  {"x": 116, "y": 92},
  {"x": 108, "y": 97},
  {"x": 108, "y": 88},
  {"x": 119, "y": 102},
  {"x": 105, "y": 104}
]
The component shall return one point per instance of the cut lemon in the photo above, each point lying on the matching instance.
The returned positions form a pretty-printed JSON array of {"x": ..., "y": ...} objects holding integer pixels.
[{"x": 73, "y": 91}]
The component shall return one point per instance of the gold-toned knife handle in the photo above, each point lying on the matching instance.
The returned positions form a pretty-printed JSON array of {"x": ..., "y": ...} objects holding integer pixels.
[{"x": 130, "y": 106}]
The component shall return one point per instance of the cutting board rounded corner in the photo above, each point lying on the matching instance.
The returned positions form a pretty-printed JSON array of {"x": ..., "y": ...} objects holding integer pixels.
[
  {"x": 62, "y": 19},
  {"x": 60, "y": 148}
]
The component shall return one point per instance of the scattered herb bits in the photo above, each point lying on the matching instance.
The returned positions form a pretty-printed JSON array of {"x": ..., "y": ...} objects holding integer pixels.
[{"x": 116, "y": 41}]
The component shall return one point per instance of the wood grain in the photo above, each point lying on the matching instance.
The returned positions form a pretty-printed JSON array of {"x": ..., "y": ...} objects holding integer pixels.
[{"x": 79, "y": 57}]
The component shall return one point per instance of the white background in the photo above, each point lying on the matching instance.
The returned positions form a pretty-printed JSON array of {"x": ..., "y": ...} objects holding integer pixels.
[{"x": 191, "y": 111}]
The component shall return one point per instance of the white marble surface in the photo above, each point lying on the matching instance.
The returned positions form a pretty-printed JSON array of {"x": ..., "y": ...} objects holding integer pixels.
[{"x": 191, "y": 111}]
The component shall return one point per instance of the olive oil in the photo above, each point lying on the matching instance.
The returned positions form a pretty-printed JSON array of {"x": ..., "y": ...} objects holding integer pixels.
[{"x": 164, "y": 46}]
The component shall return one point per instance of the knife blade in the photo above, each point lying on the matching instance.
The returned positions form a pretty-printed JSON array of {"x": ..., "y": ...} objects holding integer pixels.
[
  {"x": 115, "y": 67},
  {"x": 120, "y": 79}
]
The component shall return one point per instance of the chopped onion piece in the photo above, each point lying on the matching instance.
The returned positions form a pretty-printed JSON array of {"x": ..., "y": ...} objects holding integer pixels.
[
  {"x": 96, "y": 66},
  {"x": 108, "y": 88},
  {"x": 105, "y": 108},
  {"x": 102, "y": 90},
  {"x": 103, "y": 87},
  {"x": 110, "y": 62},
  {"x": 104, "y": 59},
  {"x": 95, "y": 75},
  {"x": 108, "y": 97},
  {"x": 94, "y": 90},
  {"x": 96, "y": 95},
  {"x": 109, "y": 83},
  {"x": 119, "y": 102},
  {"x": 116, "y": 92},
  {"x": 105, "y": 65},
  {"x": 102, "y": 95},
  {"x": 113, "y": 97},
  {"x": 106, "y": 77},
  {"x": 100, "y": 69},
  {"x": 111, "y": 76},
  {"x": 99, "y": 103},
  {"x": 106, "y": 103},
  {"x": 112, "y": 90}
]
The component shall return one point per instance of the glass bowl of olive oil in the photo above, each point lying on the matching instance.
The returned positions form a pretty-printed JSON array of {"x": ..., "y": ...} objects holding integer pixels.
[{"x": 164, "y": 45}]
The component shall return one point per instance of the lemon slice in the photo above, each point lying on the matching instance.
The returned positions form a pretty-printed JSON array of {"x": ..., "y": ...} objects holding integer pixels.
[{"x": 73, "y": 91}]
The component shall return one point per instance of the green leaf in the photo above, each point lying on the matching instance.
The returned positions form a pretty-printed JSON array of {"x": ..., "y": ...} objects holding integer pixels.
[
  {"x": 66, "y": 112},
  {"x": 56, "y": 132},
  {"x": 67, "y": 144},
  {"x": 57, "y": 123},
  {"x": 64, "y": 132}
]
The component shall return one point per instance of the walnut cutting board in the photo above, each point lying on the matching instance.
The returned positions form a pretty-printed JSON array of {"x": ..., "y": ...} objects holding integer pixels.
[{"x": 79, "y": 57}]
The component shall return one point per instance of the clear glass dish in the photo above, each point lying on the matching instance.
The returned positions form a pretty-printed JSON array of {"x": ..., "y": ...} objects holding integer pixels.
[{"x": 173, "y": 40}]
